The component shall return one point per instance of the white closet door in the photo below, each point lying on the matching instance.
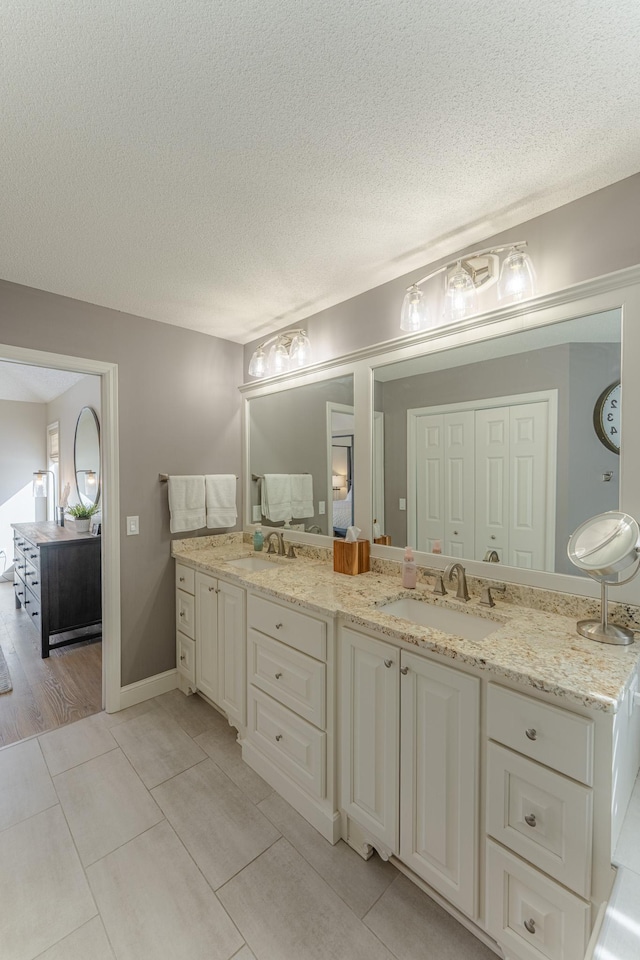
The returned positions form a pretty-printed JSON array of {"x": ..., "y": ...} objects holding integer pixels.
[
  {"x": 492, "y": 482},
  {"x": 459, "y": 479},
  {"x": 430, "y": 505},
  {"x": 529, "y": 424}
]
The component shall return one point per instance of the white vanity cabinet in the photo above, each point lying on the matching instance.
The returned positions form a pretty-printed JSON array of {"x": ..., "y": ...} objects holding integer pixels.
[
  {"x": 418, "y": 801},
  {"x": 211, "y": 651}
]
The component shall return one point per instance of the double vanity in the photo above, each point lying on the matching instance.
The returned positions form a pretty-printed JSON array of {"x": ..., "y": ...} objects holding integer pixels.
[{"x": 490, "y": 752}]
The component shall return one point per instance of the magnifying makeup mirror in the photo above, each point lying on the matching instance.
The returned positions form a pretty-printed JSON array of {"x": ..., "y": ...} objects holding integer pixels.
[{"x": 603, "y": 547}]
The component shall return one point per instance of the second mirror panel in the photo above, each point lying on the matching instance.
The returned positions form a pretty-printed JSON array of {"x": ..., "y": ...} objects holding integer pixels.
[{"x": 493, "y": 450}]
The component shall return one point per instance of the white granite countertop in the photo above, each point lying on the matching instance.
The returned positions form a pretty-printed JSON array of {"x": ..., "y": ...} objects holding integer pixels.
[{"x": 534, "y": 647}]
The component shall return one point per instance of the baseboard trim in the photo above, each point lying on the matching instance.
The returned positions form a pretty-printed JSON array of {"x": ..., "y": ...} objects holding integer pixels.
[{"x": 150, "y": 687}]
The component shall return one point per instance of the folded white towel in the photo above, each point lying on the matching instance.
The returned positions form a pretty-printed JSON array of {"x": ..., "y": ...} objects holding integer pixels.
[
  {"x": 186, "y": 503},
  {"x": 301, "y": 495},
  {"x": 276, "y": 496},
  {"x": 221, "y": 500}
]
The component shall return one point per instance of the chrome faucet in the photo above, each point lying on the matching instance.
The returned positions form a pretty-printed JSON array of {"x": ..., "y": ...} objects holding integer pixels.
[
  {"x": 461, "y": 592},
  {"x": 491, "y": 556},
  {"x": 280, "y": 539}
]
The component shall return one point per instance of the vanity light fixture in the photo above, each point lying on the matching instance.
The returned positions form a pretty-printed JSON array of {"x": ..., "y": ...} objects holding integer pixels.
[
  {"x": 464, "y": 278},
  {"x": 287, "y": 351}
]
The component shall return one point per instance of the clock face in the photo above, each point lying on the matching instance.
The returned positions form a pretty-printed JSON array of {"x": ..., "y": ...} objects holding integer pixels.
[{"x": 606, "y": 417}]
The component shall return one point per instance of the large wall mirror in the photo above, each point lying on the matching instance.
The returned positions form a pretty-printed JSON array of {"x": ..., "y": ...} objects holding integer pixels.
[
  {"x": 497, "y": 450},
  {"x": 86, "y": 457},
  {"x": 302, "y": 441}
]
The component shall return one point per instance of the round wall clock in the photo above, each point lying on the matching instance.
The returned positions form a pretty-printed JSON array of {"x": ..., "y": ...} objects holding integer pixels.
[{"x": 606, "y": 417}]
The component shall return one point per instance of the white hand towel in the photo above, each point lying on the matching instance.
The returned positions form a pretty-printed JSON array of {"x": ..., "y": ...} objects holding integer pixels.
[
  {"x": 221, "y": 500},
  {"x": 276, "y": 496},
  {"x": 301, "y": 495},
  {"x": 186, "y": 503}
]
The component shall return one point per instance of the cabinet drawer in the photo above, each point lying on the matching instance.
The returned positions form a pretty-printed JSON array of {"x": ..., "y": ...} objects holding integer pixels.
[
  {"x": 296, "y": 629},
  {"x": 542, "y": 816},
  {"x": 32, "y": 554},
  {"x": 289, "y": 741},
  {"x": 32, "y": 579},
  {"x": 185, "y": 578},
  {"x": 531, "y": 915},
  {"x": 292, "y": 678},
  {"x": 186, "y": 657},
  {"x": 552, "y": 736},
  {"x": 32, "y": 606},
  {"x": 185, "y": 613}
]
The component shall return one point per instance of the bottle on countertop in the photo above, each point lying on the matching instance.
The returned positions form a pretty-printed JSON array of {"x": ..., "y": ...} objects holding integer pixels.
[
  {"x": 258, "y": 538},
  {"x": 437, "y": 547},
  {"x": 376, "y": 530},
  {"x": 409, "y": 570}
]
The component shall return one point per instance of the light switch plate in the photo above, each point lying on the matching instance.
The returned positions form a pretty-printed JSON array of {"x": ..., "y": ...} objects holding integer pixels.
[
  {"x": 321, "y": 508},
  {"x": 403, "y": 504},
  {"x": 133, "y": 526}
]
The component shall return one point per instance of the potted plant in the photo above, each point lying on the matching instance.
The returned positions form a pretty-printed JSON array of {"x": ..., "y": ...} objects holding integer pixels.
[{"x": 82, "y": 516}]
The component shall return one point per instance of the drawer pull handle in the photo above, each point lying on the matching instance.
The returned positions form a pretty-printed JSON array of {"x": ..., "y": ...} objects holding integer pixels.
[
  {"x": 278, "y": 675},
  {"x": 26, "y": 602},
  {"x": 530, "y": 819},
  {"x": 530, "y": 925},
  {"x": 532, "y": 733},
  {"x": 32, "y": 555},
  {"x": 181, "y": 579},
  {"x": 388, "y": 663},
  {"x": 404, "y": 671},
  {"x": 182, "y": 657},
  {"x": 182, "y": 613},
  {"x": 34, "y": 583},
  {"x": 212, "y": 589},
  {"x": 35, "y": 613},
  {"x": 278, "y": 736},
  {"x": 278, "y": 626}
]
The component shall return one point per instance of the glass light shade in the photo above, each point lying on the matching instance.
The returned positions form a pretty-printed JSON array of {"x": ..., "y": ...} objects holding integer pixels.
[
  {"x": 278, "y": 359},
  {"x": 300, "y": 352},
  {"x": 258, "y": 364},
  {"x": 414, "y": 315},
  {"x": 90, "y": 480},
  {"x": 517, "y": 277},
  {"x": 461, "y": 298},
  {"x": 40, "y": 484}
]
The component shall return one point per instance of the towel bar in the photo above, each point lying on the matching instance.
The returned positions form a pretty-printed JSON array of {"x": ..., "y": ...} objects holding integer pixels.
[{"x": 163, "y": 477}]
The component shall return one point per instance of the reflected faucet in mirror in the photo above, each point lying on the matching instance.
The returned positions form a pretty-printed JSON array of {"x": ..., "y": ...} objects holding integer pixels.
[{"x": 491, "y": 556}]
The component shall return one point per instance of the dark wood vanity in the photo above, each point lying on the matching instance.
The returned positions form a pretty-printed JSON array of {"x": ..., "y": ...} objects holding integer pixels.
[{"x": 58, "y": 581}]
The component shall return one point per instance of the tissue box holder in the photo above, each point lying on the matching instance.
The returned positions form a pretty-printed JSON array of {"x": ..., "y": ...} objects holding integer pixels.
[{"x": 351, "y": 558}]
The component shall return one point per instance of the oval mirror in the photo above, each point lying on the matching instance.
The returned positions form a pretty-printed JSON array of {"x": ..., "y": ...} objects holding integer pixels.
[{"x": 86, "y": 457}]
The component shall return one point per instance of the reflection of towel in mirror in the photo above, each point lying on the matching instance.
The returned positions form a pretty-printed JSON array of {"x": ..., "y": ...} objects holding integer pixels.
[
  {"x": 301, "y": 495},
  {"x": 186, "y": 503},
  {"x": 221, "y": 500},
  {"x": 276, "y": 496}
]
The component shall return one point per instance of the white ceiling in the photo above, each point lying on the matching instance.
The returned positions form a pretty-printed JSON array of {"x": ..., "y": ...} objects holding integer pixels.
[
  {"x": 34, "y": 384},
  {"x": 234, "y": 166}
]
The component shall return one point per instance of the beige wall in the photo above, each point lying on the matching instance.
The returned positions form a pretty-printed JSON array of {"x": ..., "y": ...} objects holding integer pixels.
[
  {"x": 179, "y": 412},
  {"x": 588, "y": 238}
]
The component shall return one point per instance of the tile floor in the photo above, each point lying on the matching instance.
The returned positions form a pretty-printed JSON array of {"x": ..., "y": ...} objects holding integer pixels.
[{"x": 143, "y": 835}]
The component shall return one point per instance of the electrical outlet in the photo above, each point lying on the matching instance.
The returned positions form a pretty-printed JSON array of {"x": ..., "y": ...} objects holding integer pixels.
[
  {"x": 402, "y": 504},
  {"x": 133, "y": 526},
  {"x": 256, "y": 514},
  {"x": 322, "y": 509}
]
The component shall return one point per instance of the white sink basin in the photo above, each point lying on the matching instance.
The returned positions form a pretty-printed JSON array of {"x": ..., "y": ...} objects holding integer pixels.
[
  {"x": 456, "y": 622},
  {"x": 252, "y": 563}
]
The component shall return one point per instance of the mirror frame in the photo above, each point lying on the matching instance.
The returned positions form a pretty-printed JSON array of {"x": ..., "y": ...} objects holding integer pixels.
[
  {"x": 75, "y": 463},
  {"x": 616, "y": 291}
]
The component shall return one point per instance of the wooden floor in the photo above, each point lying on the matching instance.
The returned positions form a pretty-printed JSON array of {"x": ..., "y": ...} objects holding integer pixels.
[{"x": 46, "y": 693}]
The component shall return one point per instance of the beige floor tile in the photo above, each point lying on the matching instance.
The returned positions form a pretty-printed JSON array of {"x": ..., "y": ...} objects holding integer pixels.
[
  {"x": 156, "y": 905},
  {"x": 25, "y": 784},
  {"x": 220, "y": 827},
  {"x": 359, "y": 882},
  {"x": 284, "y": 910},
  {"x": 412, "y": 925},
  {"x": 157, "y": 747},
  {"x": 68, "y": 746},
  {"x": 106, "y": 804},
  {"x": 89, "y": 942},
  {"x": 43, "y": 890},
  {"x": 244, "y": 954},
  {"x": 192, "y": 712},
  {"x": 224, "y": 751},
  {"x": 113, "y": 719}
]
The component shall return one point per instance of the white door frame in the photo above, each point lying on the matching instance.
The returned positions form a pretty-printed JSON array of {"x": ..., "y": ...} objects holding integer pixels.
[
  {"x": 544, "y": 396},
  {"x": 110, "y": 498}
]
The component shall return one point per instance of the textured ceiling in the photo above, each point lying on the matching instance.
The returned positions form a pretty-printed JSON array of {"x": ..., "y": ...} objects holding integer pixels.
[
  {"x": 237, "y": 165},
  {"x": 34, "y": 384}
]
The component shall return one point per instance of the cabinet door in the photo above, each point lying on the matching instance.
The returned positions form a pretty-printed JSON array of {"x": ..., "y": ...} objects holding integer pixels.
[
  {"x": 439, "y": 778},
  {"x": 207, "y": 635},
  {"x": 369, "y": 704},
  {"x": 232, "y": 658}
]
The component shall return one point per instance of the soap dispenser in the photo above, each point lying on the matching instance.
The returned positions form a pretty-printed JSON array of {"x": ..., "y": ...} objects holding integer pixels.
[
  {"x": 258, "y": 538},
  {"x": 409, "y": 571}
]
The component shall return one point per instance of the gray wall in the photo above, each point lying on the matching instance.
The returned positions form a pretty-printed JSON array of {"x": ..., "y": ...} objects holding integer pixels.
[
  {"x": 22, "y": 450},
  {"x": 66, "y": 409},
  {"x": 179, "y": 412},
  {"x": 580, "y": 372},
  {"x": 581, "y": 240}
]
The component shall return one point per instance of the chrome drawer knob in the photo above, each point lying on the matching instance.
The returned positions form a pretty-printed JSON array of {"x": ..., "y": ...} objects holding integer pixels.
[
  {"x": 278, "y": 675},
  {"x": 212, "y": 589},
  {"x": 404, "y": 670},
  {"x": 532, "y": 733},
  {"x": 181, "y": 579},
  {"x": 530, "y": 819},
  {"x": 530, "y": 925},
  {"x": 388, "y": 663},
  {"x": 182, "y": 657},
  {"x": 278, "y": 626},
  {"x": 278, "y": 736},
  {"x": 182, "y": 613}
]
